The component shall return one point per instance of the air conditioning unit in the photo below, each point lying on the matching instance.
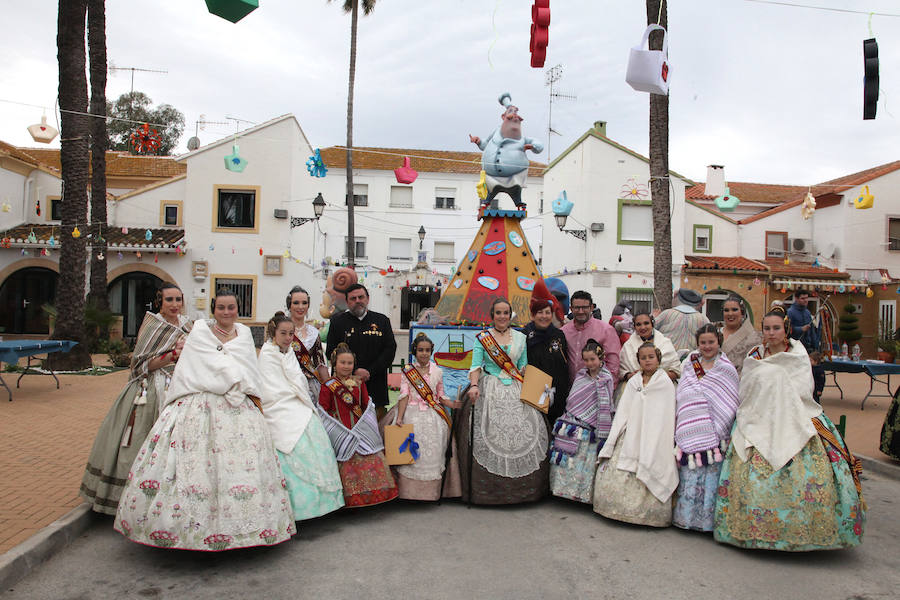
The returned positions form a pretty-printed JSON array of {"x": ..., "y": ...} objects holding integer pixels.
[{"x": 801, "y": 246}]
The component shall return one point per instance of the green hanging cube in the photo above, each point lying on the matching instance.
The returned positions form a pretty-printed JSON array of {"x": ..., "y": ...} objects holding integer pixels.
[
  {"x": 232, "y": 10},
  {"x": 234, "y": 162}
]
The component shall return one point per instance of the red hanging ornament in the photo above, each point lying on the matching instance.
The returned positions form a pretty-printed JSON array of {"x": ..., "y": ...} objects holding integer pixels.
[
  {"x": 37, "y": 207},
  {"x": 260, "y": 251},
  {"x": 540, "y": 32},
  {"x": 156, "y": 257},
  {"x": 145, "y": 140}
]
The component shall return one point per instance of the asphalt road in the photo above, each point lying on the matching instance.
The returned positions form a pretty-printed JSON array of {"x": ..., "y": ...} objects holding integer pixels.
[{"x": 553, "y": 549}]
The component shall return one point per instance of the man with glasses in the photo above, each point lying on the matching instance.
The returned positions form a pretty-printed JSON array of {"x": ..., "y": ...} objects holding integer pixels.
[{"x": 584, "y": 327}]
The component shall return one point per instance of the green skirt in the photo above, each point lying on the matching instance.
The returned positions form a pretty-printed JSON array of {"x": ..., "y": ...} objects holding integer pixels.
[{"x": 311, "y": 473}]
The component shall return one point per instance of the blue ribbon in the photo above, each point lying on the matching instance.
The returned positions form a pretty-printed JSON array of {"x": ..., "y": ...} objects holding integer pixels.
[
  {"x": 315, "y": 165},
  {"x": 411, "y": 443}
]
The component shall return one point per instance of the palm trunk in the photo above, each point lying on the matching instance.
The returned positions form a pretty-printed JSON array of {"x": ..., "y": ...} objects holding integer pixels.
[
  {"x": 96, "y": 21},
  {"x": 351, "y": 226},
  {"x": 74, "y": 159},
  {"x": 659, "y": 174}
]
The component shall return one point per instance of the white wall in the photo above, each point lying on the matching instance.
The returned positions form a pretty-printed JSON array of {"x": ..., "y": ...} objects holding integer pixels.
[{"x": 724, "y": 233}]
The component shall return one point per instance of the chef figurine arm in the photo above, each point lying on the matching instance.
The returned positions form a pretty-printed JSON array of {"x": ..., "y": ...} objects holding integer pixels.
[{"x": 534, "y": 145}]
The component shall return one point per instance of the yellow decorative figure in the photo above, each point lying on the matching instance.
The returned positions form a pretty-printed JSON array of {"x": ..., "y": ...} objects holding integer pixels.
[
  {"x": 808, "y": 207},
  {"x": 481, "y": 188},
  {"x": 869, "y": 293},
  {"x": 865, "y": 199},
  {"x": 76, "y": 233}
]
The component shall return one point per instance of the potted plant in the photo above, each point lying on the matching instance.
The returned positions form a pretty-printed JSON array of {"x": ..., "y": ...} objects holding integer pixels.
[{"x": 887, "y": 343}]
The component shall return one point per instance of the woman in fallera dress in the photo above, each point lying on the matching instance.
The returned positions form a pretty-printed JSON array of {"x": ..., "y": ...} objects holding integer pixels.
[
  {"x": 305, "y": 341},
  {"x": 159, "y": 341},
  {"x": 304, "y": 450},
  {"x": 207, "y": 476},
  {"x": 788, "y": 481}
]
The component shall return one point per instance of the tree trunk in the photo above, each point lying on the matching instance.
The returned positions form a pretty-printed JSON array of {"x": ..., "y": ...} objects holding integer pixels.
[
  {"x": 96, "y": 22},
  {"x": 659, "y": 174},
  {"x": 73, "y": 208},
  {"x": 351, "y": 228}
]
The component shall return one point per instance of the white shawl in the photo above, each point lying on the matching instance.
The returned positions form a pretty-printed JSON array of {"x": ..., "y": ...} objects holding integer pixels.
[
  {"x": 285, "y": 396},
  {"x": 628, "y": 362},
  {"x": 208, "y": 365},
  {"x": 777, "y": 406},
  {"x": 646, "y": 417}
]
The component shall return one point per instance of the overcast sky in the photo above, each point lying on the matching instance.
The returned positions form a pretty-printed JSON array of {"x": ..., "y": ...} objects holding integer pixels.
[{"x": 772, "y": 92}]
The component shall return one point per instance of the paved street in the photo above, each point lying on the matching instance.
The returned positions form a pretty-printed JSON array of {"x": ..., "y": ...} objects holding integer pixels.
[{"x": 553, "y": 549}]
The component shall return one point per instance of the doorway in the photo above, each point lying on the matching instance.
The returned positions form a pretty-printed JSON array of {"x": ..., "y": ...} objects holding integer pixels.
[
  {"x": 414, "y": 299},
  {"x": 131, "y": 295},
  {"x": 22, "y": 297}
]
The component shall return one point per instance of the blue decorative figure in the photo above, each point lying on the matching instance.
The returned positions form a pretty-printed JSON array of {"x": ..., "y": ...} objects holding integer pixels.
[
  {"x": 148, "y": 235},
  {"x": 316, "y": 166},
  {"x": 503, "y": 159}
]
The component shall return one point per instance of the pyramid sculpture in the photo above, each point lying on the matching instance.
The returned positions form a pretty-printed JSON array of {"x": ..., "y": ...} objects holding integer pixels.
[{"x": 499, "y": 263}]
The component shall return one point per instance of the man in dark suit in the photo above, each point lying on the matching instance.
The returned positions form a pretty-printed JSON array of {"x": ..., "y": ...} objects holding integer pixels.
[{"x": 370, "y": 337}]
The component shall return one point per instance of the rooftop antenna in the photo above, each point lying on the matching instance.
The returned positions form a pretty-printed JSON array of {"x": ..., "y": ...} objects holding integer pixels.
[
  {"x": 113, "y": 68},
  {"x": 238, "y": 121},
  {"x": 554, "y": 74},
  {"x": 200, "y": 125}
]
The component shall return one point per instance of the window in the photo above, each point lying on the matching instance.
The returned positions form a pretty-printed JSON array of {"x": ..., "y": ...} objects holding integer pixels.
[
  {"x": 635, "y": 222},
  {"x": 641, "y": 298},
  {"x": 444, "y": 252},
  {"x": 401, "y": 196},
  {"x": 360, "y": 249},
  {"x": 234, "y": 210},
  {"x": 360, "y": 194},
  {"x": 244, "y": 288},
  {"x": 776, "y": 244},
  {"x": 541, "y": 210},
  {"x": 713, "y": 302},
  {"x": 398, "y": 248},
  {"x": 703, "y": 239},
  {"x": 53, "y": 206},
  {"x": 445, "y": 198},
  {"x": 170, "y": 213},
  {"x": 893, "y": 233}
]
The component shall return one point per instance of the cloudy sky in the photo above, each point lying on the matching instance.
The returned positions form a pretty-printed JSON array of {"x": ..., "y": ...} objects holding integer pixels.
[{"x": 772, "y": 92}]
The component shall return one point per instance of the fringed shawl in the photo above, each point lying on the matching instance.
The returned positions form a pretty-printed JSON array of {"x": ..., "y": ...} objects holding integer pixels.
[
  {"x": 628, "y": 362},
  {"x": 588, "y": 415},
  {"x": 738, "y": 344},
  {"x": 364, "y": 438},
  {"x": 705, "y": 407},
  {"x": 155, "y": 337}
]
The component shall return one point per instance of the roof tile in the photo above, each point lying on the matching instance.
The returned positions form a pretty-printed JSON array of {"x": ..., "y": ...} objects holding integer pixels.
[
  {"x": 118, "y": 164},
  {"x": 724, "y": 263}
]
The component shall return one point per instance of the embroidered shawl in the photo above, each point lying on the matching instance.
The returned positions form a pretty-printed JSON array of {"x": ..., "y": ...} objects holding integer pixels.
[
  {"x": 155, "y": 337},
  {"x": 777, "y": 405},
  {"x": 208, "y": 365},
  {"x": 705, "y": 407},
  {"x": 588, "y": 414},
  {"x": 285, "y": 396},
  {"x": 738, "y": 344},
  {"x": 628, "y": 362},
  {"x": 645, "y": 417}
]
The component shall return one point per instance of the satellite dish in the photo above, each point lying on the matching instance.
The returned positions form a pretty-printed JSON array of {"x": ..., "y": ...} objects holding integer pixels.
[
  {"x": 193, "y": 143},
  {"x": 829, "y": 250}
]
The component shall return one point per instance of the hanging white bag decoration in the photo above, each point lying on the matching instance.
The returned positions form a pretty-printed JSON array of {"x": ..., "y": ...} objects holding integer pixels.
[{"x": 648, "y": 70}]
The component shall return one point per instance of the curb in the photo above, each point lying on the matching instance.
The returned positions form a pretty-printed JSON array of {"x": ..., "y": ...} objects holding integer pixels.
[
  {"x": 879, "y": 467},
  {"x": 21, "y": 560}
]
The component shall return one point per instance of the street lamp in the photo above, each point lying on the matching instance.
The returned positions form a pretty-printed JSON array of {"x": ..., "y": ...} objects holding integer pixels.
[
  {"x": 318, "y": 208},
  {"x": 581, "y": 234},
  {"x": 421, "y": 235}
]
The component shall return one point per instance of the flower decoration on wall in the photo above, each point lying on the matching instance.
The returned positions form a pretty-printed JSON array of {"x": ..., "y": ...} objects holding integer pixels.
[
  {"x": 145, "y": 140},
  {"x": 315, "y": 165},
  {"x": 632, "y": 190}
]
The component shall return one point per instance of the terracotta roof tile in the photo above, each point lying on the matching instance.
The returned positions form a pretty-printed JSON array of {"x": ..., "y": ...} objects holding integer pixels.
[
  {"x": 724, "y": 263},
  {"x": 779, "y": 269},
  {"x": 164, "y": 239},
  {"x": 762, "y": 193},
  {"x": 19, "y": 153},
  {"x": 862, "y": 176},
  {"x": 118, "y": 164},
  {"x": 429, "y": 161}
]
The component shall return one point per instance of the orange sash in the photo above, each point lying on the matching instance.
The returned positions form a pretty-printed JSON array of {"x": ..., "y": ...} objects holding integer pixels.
[
  {"x": 421, "y": 386},
  {"x": 854, "y": 463},
  {"x": 340, "y": 390},
  {"x": 499, "y": 355},
  {"x": 304, "y": 357}
]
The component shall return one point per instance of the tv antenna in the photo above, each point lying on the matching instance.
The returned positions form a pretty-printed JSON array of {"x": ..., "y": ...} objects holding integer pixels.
[
  {"x": 554, "y": 74},
  {"x": 200, "y": 125},
  {"x": 113, "y": 67},
  {"x": 238, "y": 121}
]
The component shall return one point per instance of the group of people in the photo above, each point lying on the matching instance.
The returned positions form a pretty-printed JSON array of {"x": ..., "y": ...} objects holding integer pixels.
[{"x": 211, "y": 447}]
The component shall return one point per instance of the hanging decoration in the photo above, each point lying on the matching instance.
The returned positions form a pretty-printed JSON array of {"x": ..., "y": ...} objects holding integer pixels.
[
  {"x": 540, "y": 32},
  {"x": 100, "y": 256},
  {"x": 260, "y": 251},
  {"x": 870, "y": 76},
  {"x": 5, "y": 207},
  {"x": 76, "y": 233},
  {"x": 44, "y": 252},
  {"x": 842, "y": 288},
  {"x": 148, "y": 235},
  {"x": 632, "y": 190},
  {"x": 865, "y": 199},
  {"x": 232, "y": 10},
  {"x": 138, "y": 255},
  {"x": 315, "y": 165},
  {"x": 5, "y": 242},
  {"x": 120, "y": 256},
  {"x": 727, "y": 202},
  {"x": 562, "y": 206},
  {"x": 405, "y": 174},
  {"x": 125, "y": 230},
  {"x": 212, "y": 247},
  {"x": 648, "y": 70},
  {"x": 234, "y": 162},
  {"x": 869, "y": 292},
  {"x": 52, "y": 241},
  {"x": 145, "y": 140},
  {"x": 481, "y": 188},
  {"x": 37, "y": 207},
  {"x": 31, "y": 239},
  {"x": 808, "y": 207},
  {"x": 42, "y": 132}
]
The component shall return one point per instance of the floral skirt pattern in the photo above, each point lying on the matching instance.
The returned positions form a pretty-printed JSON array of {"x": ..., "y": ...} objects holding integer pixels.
[
  {"x": 206, "y": 478},
  {"x": 109, "y": 462},
  {"x": 695, "y": 499},
  {"x": 890, "y": 431},
  {"x": 809, "y": 504},
  {"x": 620, "y": 495},
  {"x": 574, "y": 478},
  {"x": 367, "y": 480},
  {"x": 311, "y": 473}
]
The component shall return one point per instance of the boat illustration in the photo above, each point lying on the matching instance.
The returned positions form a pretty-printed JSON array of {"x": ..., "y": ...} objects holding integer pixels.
[{"x": 456, "y": 357}]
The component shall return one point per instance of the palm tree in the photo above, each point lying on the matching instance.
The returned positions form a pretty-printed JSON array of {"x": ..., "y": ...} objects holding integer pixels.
[
  {"x": 96, "y": 24},
  {"x": 352, "y": 7},
  {"x": 659, "y": 173},
  {"x": 73, "y": 156}
]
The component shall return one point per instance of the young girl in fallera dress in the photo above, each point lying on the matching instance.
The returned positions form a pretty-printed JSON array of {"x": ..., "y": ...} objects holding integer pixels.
[
  {"x": 349, "y": 419},
  {"x": 303, "y": 448},
  {"x": 582, "y": 430}
]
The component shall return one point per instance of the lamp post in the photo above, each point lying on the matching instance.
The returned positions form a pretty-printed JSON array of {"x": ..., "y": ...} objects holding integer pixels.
[
  {"x": 581, "y": 234},
  {"x": 421, "y": 235},
  {"x": 318, "y": 208},
  {"x": 422, "y": 264}
]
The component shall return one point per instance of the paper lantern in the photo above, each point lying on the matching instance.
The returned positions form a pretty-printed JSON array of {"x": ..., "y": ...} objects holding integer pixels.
[
  {"x": 32, "y": 239},
  {"x": 148, "y": 235},
  {"x": 727, "y": 202},
  {"x": 6, "y": 207},
  {"x": 232, "y": 10},
  {"x": 138, "y": 255},
  {"x": 540, "y": 32},
  {"x": 869, "y": 293},
  {"x": 865, "y": 199},
  {"x": 125, "y": 230},
  {"x": 75, "y": 233},
  {"x": 260, "y": 252},
  {"x": 234, "y": 162},
  {"x": 42, "y": 132},
  {"x": 562, "y": 205},
  {"x": 648, "y": 70},
  {"x": 52, "y": 240},
  {"x": 405, "y": 174}
]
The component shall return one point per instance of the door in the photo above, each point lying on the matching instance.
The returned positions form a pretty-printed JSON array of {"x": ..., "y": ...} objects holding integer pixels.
[
  {"x": 131, "y": 295},
  {"x": 413, "y": 300},
  {"x": 22, "y": 297},
  {"x": 887, "y": 309}
]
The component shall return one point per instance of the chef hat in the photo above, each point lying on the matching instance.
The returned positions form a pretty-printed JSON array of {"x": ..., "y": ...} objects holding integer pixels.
[{"x": 505, "y": 99}]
